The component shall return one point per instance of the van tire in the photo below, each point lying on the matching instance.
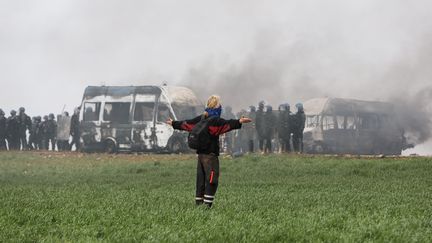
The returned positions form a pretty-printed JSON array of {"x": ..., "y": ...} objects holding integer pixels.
[{"x": 110, "y": 147}]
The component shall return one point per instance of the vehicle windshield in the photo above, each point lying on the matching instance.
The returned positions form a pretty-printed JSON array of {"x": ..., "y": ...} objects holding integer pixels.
[
  {"x": 91, "y": 111},
  {"x": 144, "y": 111}
]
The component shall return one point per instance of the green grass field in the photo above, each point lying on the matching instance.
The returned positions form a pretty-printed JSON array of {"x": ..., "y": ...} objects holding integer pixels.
[{"x": 90, "y": 197}]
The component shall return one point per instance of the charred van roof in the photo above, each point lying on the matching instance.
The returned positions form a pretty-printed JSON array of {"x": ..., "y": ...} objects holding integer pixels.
[{"x": 339, "y": 106}]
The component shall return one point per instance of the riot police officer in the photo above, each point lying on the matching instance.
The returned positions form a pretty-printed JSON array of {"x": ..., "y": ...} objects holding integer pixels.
[
  {"x": 34, "y": 139},
  {"x": 284, "y": 127},
  {"x": 260, "y": 125},
  {"x": 250, "y": 129},
  {"x": 51, "y": 131},
  {"x": 13, "y": 129},
  {"x": 44, "y": 133},
  {"x": 299, "y": 125},
  {"x": 25, "y": 124},
  {"x": 2, "y": 130},
  {"x": 269, "y": 128},
  {"x": 75, "y": 129}
]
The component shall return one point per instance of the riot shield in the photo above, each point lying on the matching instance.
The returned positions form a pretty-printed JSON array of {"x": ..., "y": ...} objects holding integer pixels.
[{"x": 63, "y": 127}]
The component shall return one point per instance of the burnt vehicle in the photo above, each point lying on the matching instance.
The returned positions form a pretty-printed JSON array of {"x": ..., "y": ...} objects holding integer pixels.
[
  {"x": 345, "y": 126},
  {"x": 132, "y": 118}
]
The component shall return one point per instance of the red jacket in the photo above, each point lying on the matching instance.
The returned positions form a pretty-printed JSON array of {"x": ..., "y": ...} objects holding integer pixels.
[{"x": 217, "y": 126}]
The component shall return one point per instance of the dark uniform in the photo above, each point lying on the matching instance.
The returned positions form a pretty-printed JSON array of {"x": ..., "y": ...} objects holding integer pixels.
[
  {"x": 260, "y": 125},
  {"x": 25, "y": 123},
  {"x": 284, "y": 127},
  {"x": 13, "y": 129},
  {"x": 269, "y": 129},
  {"x": 3, "y": 133},
  {"x": 75, "y": 130},
  {"x": 34, "y": 139},
  {"x": 51, "y": 132},
  {"x": 208, "y": 159},
  {"x": 43, "y": 134},
  {"x": 228, "y": 138},
  {"x": 299, "y": 125},
  {"x": 250, "y": 129}
]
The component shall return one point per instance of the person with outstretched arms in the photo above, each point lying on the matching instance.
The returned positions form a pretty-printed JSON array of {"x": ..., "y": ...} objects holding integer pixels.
[{"x": 204, "y": 132}]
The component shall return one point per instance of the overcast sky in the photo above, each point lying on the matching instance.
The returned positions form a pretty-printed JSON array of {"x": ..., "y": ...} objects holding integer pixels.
[{"x": 51, "y": 50}]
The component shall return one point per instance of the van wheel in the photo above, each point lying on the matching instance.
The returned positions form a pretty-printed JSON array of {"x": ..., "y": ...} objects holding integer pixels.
[{"x": 110, "y": 147}]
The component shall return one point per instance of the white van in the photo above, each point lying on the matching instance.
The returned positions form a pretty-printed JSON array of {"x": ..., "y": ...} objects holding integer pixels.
[{"x": 132, "y": 118}]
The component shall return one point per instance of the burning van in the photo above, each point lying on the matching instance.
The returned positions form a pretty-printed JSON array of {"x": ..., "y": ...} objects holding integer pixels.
[
  {"x": 345, "y": 126},
  {"x": 132, "y": 118}
]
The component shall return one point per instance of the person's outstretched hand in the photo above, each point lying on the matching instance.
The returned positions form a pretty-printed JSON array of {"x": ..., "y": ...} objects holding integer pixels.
[
  {"x": 169, "y": 122},
  {"x": 245, "y": 120}
]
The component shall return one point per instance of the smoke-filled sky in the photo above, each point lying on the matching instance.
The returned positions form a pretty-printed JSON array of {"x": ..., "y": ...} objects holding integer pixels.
[{"x": 244, "y": 50}]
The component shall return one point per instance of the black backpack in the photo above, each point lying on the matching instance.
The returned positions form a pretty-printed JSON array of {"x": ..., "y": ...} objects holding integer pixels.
[{"x": 199, "y": 137}]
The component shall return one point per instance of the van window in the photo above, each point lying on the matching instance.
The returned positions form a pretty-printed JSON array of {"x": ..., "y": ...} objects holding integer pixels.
[
  {"x": 340, "y": 122},
  {"x": 368, "y": 121},
  {"x": 163, "y": 113},
  {"x": 312, "y": 121},
  {"x": 91, "y": 111},
  {"x": 117, "y": 112},
  {"x": 350, "y": 123},
  {"x": 144, "y": 111},
  {"x": 329, "y": 122}
]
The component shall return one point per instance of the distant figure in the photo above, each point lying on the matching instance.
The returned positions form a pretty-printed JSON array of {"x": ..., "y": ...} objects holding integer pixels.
[
  {"x": 25, "y": 124},
  {"x": 299, "y": 125},
  {"x": 284, "y": 128},
  {"x": 75, "y": 129},
  {"x": 34, "y": 139},
  {"x": 250, "y": 129},
  {"x": 44, "y": 132},
  {"x": 51, "y": 132},
  {"x": 3, "y": 133},
  {"x": 13, "y": 129},
  {"x": 228, "y": 138},
  {"x": 260, "y": 125},
  {"x": 269, "y": 128},
  {"x": 210, "y": 126}
]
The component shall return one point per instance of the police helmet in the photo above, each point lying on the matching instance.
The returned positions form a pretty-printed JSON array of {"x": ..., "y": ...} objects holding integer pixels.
[
  {"x": 252, "y": 108},
  {"x": 299, "y": 106},
  {"x": 45, "y": 117},
  {"x": 21, "y": 109},
  {"x": 51, "y": 116},
  {"x": 2, "y": 112},
  {"x": 269, "y": 108},
  {"x": 13, "y": 112}
]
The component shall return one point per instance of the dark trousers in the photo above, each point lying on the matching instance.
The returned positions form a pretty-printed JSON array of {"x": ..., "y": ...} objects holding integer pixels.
[
  {"x": 76, "y": 141},
  {"x": 3, "y": 143},
  {"x": 298, "y": 142},
  {"x": 251, "y": 146},
  {"x": 14, "y": 143},
  {"x": 23, "y": 140},
  {"x": 207, "y": 178},
  {"x": 285, "y": 145}
]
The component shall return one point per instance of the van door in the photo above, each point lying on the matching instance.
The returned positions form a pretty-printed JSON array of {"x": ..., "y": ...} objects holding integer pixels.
[
  {"x": 163, "y": 130},
  {"x": 142, "y": 122},
  {"x": 116, "y": 123},
  {"x": 90, "y": 124},
  {"x": 339, "y": 134},
  {"x": 367, "y": 133}
]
